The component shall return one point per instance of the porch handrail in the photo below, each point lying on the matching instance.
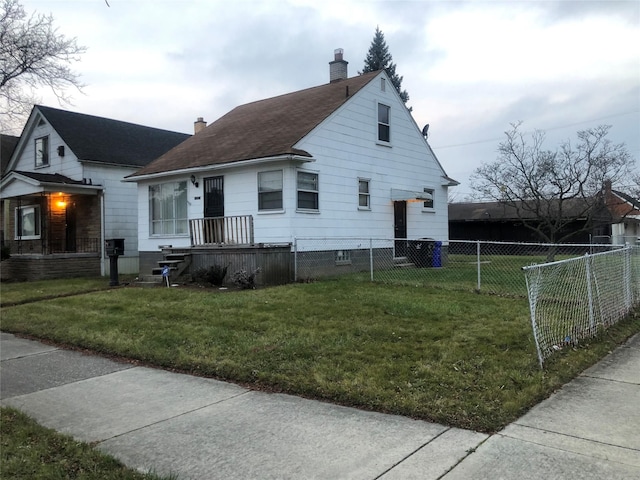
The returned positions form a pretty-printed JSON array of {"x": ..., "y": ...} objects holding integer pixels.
[{"x": 233, "y": 230}]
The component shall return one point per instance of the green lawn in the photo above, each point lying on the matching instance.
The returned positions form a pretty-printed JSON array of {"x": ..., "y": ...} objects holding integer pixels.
[
  {"x": 456, "y": 358},
  {"x": 32, "y": 452}
]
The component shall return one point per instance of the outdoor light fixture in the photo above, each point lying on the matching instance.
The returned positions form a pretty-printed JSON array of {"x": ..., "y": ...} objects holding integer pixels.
[
  {"x": 193, "y": 180},
  {"x": 61, "y": 203}
]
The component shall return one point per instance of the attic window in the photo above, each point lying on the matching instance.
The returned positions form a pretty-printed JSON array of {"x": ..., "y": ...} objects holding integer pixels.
[
  {"x": 42, "y": 151},
  {"x": 384, "y": 129},
  {"x": 383, "y": 85}
]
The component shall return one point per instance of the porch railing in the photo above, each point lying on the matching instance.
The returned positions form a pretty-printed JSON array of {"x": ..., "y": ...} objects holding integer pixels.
[
  {"x": 51, "y": 246},
  {"x": 236, "y": 230}
]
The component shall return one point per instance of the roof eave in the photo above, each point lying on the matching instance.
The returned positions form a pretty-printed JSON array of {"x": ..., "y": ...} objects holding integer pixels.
[{"x": 222, "y": 166}]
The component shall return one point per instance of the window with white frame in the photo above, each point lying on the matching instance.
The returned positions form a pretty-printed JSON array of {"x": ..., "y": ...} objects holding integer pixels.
[
  {"x": 384, "y": 129},
  {"x": 270, "y": 190},
  {"x": 364, "y": 197},
  {"x": 428, "y": 203},
  {"x": 42, "y": 151},
  {"x": 343, "y": 257},
  {"x": 307, "y": 191},
  {"x": 28, "y": 222},
  {"x": 168, "y": 208}
]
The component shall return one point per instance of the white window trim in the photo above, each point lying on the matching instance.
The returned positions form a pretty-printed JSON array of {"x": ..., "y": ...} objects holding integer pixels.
[
  {"x": 35, "y": 146},
  {"x": 317, "y": 192},
  {"x": 343, "y": 257},
  {"x": 368, "y": 194},
  {"x": 151, "y": 219},
  {"x": 432, "y": 191},
  {"x": 378, "y": 123},
  {"x": 271, "y": 210},
  {"x": 38, "y": 219}
]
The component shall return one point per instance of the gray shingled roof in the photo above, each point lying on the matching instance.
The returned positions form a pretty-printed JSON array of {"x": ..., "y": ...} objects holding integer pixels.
[
  {"x": 262, "y": 129},
  {"x": 50, "y": 178},
  {"x": 7, "y": 145},
  {"x": 498, "y": 211},
  {"x": 109, "y": 141}
]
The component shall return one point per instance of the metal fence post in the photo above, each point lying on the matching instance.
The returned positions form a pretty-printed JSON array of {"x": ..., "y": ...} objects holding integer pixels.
[
  {"x": 589, "y": 293},
  {"x": 628, "y": 302},
  {"x": 371, "y": 257},
  {"x": 478, "y": 262},
  {"x": 295, "y": 259}
]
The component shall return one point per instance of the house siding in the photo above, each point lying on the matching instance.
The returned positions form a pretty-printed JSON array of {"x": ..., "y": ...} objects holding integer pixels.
[
  {"x": 120, "y": 210},
  {"x": 66, "y": 165},
  {"x": 344, "y": 149}
]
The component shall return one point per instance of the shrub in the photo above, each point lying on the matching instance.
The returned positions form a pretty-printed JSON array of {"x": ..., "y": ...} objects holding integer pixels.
[
  {"x": 244, "y": 279},
  {"x": 214, "y": 275},
  {"x": 5, "y": 252}
]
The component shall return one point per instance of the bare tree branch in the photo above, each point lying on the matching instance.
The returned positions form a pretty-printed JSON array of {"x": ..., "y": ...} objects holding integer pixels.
[
  {"x": 33, "y": 54},
  {"x": 552, "y": 189}
]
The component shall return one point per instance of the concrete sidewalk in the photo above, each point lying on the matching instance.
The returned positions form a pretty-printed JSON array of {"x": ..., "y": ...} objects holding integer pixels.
[{"x": 205, "y": 429}]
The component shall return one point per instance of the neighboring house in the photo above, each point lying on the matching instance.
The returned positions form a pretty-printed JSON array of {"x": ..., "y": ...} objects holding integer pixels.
[
  {"x": 344, "y": 159},
  {"x": 63, "y": 193},
  {"x": 7, "y": 146},
  {"x": 624, "y": 225},
  {"x": 614, "y": 218}
]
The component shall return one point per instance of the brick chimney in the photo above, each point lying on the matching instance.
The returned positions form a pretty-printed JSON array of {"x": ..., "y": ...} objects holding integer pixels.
[
  {"x": 199, "y": 125},
  {"x": 338, "y": 68}
]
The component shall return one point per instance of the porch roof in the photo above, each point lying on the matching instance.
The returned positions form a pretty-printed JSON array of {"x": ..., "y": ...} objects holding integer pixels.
[{"x": 18, "y": 183}]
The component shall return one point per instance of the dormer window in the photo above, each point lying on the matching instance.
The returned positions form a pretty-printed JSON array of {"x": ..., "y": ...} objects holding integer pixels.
[
  {"x": 42, "y": 151},
  {"x": 384, "y": 130}
]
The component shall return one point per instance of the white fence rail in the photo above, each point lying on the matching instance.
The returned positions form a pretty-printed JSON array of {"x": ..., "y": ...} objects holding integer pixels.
[{"x": 574, "y": 299}]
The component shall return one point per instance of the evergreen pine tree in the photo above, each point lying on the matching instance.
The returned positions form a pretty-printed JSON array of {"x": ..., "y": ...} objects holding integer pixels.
[{"x": 379, "y": 58}]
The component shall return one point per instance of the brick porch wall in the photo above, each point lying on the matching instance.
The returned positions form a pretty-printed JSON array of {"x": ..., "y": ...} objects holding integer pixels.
[{"x": 20, "y": 268}]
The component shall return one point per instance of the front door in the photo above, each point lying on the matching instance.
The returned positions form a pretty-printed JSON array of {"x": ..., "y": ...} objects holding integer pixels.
[
  {"x": 214, "y": 208},
  {"x": 400, "y": 228},
  {"x": 214, "y": 197}
]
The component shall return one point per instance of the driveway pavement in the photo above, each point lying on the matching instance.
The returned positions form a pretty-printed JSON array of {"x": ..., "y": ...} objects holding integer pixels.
[{"x": 200, "y": 428}]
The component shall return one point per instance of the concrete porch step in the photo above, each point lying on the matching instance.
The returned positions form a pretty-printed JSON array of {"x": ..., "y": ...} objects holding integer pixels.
[{"x": 402, "y": 262}]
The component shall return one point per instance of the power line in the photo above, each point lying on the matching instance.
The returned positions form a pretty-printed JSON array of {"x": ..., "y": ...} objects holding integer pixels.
[{"x": 476, "y": 142}]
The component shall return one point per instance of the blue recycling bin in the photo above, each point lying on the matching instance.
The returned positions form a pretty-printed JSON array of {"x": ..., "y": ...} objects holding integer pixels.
[{"x": 437, "y": 254}]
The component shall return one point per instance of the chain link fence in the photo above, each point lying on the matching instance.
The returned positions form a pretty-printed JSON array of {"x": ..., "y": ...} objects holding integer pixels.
[
  {"x": 481, "y": 266},
  {"x": 574, "y": 299}
]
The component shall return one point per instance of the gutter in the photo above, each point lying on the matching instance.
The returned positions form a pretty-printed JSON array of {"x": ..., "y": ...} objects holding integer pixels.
[{"x": 222, "y": 166}]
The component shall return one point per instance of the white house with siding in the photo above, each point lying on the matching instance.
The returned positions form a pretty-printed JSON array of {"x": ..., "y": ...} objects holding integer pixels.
[
  {"x": 344, "y": 159},
  {"x": 63, "y": 194}
]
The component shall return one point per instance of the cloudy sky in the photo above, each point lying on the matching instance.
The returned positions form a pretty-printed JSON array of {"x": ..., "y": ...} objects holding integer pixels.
[{"x": 471, "y": 68}]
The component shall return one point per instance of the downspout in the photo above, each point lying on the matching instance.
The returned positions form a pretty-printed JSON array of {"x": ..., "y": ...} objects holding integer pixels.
[{"x": 103, "y": 270}]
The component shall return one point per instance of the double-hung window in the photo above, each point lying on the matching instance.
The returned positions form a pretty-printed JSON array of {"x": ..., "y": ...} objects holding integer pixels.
[
  {"x": 384, "y": 129},
  {"x": 168, "y": 208},
  {"x": 364, "y": 197},
  {"x": 308, "y": 191},
  {"x": 28, "y": 222},
  {"x": 270, "y": 190},
  {"x": 42, "y": 151}
]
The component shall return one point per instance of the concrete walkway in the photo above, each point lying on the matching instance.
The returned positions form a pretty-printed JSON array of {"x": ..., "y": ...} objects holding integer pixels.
[{"x": 199, "y": 428}]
